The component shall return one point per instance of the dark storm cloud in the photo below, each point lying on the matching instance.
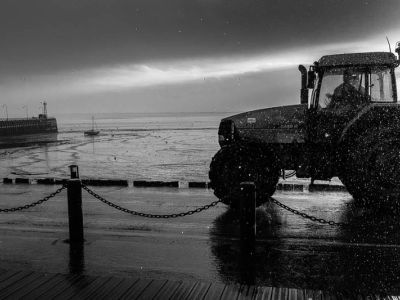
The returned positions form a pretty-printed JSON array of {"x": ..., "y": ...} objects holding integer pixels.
[
  {"x": 56, "y": 34},
  {"x": 160, "y": 55}
]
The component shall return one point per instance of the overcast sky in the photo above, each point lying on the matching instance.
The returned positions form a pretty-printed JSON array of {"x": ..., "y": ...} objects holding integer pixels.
[{"x": 176, "y": 55}]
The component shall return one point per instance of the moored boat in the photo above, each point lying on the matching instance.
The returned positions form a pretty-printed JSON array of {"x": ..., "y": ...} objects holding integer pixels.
[{"x": 92, "y": 131}]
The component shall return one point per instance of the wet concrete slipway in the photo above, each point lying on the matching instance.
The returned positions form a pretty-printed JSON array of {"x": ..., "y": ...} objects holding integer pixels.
[{"x": 291, "y": 251}]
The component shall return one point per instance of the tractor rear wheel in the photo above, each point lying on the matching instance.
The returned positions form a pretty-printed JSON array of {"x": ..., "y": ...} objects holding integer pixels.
[
  {"x": 235, "y": 164},
  {"x": 371, "y": 171}
]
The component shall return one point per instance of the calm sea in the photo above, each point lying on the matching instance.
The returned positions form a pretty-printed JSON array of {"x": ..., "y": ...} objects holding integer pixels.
[{"x": 169, "y": 146}]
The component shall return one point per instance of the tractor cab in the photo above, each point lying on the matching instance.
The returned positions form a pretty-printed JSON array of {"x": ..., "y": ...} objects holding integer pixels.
[
  {"x": 344, "y": 84},
  {"x": 347, "y": 82},
  {"x": 343, "y": 87}
]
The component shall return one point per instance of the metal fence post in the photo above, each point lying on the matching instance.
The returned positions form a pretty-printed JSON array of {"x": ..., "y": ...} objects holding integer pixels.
[{"x": 75, "y": 216}]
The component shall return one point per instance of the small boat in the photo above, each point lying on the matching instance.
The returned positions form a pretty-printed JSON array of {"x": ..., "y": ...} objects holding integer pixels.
[{"x": 92, "y": 131}]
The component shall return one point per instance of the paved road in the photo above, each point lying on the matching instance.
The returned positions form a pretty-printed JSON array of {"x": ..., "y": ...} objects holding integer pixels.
[{"x": 290, "y": 251}]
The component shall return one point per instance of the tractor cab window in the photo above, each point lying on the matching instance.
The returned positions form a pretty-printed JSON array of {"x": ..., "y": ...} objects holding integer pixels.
[
  {"x": 343, "y": 88},
  {"x": 381, "y": 85}
]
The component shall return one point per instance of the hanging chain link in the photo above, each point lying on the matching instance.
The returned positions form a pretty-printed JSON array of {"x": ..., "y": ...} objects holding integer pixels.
[
  {"x": 34, "y": 203},
  {"x": 304, "y": 215},
  {"x": 132, "y": 212},
  {"x": 191, "y": 212},
  {"x": 157, "y": 216}
]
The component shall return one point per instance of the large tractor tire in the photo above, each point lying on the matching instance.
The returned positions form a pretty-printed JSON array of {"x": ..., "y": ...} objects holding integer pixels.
[
  {"x": 371, "y": 169},
  {"x": 235, "y": 164}
]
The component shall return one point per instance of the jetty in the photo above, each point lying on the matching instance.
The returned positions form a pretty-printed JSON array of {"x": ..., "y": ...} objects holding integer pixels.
[{"x": 21, "y": 126}]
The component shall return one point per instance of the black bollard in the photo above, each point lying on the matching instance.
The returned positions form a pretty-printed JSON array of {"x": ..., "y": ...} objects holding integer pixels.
[
  {"x": 75, "y": 216},
  {"x": 75, "y": 219}
]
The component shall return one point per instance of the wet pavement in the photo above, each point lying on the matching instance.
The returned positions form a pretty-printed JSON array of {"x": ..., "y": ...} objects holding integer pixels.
[{"x": 290, "y": 251}]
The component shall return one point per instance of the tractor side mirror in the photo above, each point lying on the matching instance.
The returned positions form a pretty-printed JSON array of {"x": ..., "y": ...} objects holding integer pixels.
[{"x": 311, "y": 79}]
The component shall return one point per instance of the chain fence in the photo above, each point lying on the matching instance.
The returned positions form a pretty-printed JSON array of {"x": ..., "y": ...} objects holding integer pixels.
[
  {"x": 168, "y": 216},
  {"x": 146, "y": 215},
  {"x": 205, "y": 207},
  {"x": 34, "y": 203},
  {"x": 306, "y": 216}
]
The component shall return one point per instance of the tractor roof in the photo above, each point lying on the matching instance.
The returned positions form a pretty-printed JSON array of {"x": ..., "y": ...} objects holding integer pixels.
[{"x": 358, "y": 59}]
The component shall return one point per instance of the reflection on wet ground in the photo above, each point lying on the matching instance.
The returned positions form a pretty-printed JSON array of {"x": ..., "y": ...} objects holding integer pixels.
[
  {"x": 77, "y": 258},
  {"x": 362, "y": 257},
  {"x": 27, "y": 140}
]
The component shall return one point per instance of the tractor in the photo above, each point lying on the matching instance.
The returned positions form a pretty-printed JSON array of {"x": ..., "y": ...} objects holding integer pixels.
[{"x": 347, "y": 127}]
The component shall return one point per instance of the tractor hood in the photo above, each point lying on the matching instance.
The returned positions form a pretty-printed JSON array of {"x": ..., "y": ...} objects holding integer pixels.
[{"x": 283, "y": 124}]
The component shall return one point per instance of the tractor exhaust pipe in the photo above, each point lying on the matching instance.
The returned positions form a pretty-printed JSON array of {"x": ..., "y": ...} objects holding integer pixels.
[{"x": 303, "y": 90}]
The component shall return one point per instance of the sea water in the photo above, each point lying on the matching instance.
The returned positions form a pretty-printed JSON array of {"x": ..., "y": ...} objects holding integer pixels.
[{"x": 169, "y": 146}]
